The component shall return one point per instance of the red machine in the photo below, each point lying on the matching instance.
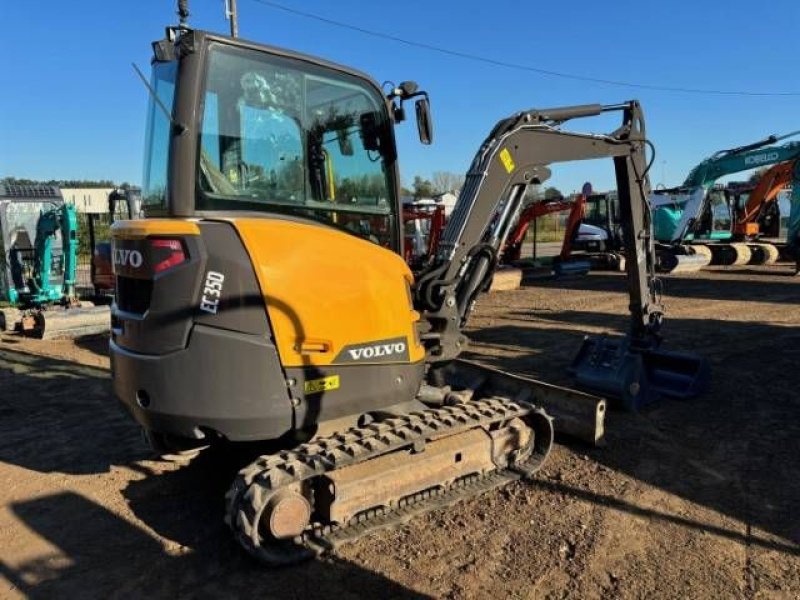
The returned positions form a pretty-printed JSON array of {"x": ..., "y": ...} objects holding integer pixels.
[
  {"x": 513, "y": 248},
  {"x": 423, "y": 228}
]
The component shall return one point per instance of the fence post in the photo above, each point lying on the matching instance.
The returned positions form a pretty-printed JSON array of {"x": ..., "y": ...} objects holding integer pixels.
[{"x": 90, "y": 219}]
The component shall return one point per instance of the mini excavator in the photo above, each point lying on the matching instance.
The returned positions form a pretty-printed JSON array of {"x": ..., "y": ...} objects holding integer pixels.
[{"x": 264, "y": 296}]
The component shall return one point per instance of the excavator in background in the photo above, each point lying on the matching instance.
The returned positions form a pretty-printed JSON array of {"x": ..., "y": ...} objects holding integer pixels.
[
  {"x": 599, "y": 236},
  {"x": 684, "y": 217},
  {"x": 249, "y": 308},
  {"x": 422, "y": 226},
  {"x": 755, "y": 210},
  {"x": 592, "y": 235},
  {"x": 21, "y": 207},
  {"x": 41, "y": 275},
  {"x": 512, "y": 251},
  {"x": 564, "y": 263}
]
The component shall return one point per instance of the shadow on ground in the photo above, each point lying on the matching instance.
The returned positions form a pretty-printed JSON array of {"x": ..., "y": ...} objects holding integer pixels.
[
  {"x": 768, "y": 284},
  {"x": 734, "y": 449},
  {"x": 125, "y": 561},
  {"x": 60, "y": 416},
  {"x": 98, "y": 344}
]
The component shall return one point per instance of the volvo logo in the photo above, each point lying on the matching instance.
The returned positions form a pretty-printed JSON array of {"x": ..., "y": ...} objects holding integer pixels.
[
  {"x": 377, "y": 351},
  {"x": 391, "y": 350},
  {"x": 128, "y": 258}
]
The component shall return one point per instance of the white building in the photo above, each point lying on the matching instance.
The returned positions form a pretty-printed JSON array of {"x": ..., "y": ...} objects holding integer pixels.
[
  {"x": 88, "y": 200},
  {"x": 448, "y": 200}
]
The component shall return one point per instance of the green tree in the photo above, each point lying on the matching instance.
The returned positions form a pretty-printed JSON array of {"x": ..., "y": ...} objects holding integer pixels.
[
  {"x": 423, "y": 188},
  {"x": 445, "y": 181},
  {"x": 66, "y": 183},
  {"x": 552, "y": 193}
]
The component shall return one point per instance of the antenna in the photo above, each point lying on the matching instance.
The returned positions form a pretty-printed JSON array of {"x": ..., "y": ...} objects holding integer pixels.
[
  {"x": 232, "y": 16},
  {"x": 183, "y": 12}
]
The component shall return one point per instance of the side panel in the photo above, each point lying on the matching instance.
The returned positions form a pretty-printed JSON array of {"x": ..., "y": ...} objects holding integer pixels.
[
  {"x": 179, "y": 369},
  {"x": 334, "y": 391},
  {"x": 225, "y": 381},
  {"x": 327, "y": 290}
]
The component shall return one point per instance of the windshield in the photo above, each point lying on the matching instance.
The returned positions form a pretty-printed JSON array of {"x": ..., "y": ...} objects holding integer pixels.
[
  {"x": 154, "y": 180},
  {"x": 283, "y": 135},
  {"x": 720, "y": 213},
  {"x": 596, "y": 211}
]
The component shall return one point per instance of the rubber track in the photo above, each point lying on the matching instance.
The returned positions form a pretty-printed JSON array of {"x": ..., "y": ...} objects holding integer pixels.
[{"x": 256, "y": 483}]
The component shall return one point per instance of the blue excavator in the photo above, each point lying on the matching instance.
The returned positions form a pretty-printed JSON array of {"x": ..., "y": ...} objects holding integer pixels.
[
  {"x": 41, "y": 276},
  {"x": 38, "y": 277},
  {"x": 684, "y": 217}
]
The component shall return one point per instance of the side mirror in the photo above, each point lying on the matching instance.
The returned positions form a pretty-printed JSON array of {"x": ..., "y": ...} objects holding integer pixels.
[
  {"x": 345, "y": 143},
  {"x": 424, "y": 121}
]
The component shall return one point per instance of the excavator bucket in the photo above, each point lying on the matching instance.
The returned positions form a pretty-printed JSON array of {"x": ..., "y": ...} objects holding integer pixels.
[{"x": 637, "y": 377}]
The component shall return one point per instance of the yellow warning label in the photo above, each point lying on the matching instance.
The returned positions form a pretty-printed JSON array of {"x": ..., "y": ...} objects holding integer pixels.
[
  {"x": 508, "y": 162},
  {"x": 326, "y": 384}
]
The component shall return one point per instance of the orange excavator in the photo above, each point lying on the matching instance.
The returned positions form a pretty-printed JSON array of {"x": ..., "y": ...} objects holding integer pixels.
[
  {"x": 758, "y": 215},
  {"x": 513, "y": 248},
  {"x": 565, "y": 263}
]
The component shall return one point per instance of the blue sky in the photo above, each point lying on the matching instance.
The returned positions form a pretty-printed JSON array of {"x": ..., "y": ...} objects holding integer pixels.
[{"x": 71, "y": 106}]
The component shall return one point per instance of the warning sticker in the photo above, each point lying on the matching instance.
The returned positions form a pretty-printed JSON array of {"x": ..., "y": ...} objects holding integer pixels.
[
  {"x": 326, "y": 384},
  {"x": 508, "y": 162}
]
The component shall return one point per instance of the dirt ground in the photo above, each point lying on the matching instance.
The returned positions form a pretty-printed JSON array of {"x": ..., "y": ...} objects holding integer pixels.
[{"x": 694, "y": 499}]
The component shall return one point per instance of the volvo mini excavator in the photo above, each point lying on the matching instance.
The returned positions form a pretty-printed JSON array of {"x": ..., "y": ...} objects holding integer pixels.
[{"x": 254, "y": 303}]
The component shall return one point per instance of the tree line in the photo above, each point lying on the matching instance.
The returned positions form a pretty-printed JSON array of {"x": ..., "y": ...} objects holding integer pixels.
[
  {"x": 443, "y": 182},
  {"x": 67, "y": 183}
]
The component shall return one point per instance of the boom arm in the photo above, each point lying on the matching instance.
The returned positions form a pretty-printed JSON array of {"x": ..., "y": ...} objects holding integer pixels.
[
  {"x": 574, "y": 219},
  {"x": 65, "y": 219},
  {"x": 517, "y": 153}
]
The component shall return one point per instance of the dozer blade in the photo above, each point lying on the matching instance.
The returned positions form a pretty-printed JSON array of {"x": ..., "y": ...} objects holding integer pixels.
[
  {"x": 65, "y": 323},
  {"x": 575, "y": 413},
  {"x": 637, "y": 377}
]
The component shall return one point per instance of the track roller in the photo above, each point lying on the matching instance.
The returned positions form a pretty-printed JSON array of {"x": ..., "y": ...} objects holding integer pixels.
[
  {"x": 763, "y": 254},
  {"x": 728, "y": 255}
]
